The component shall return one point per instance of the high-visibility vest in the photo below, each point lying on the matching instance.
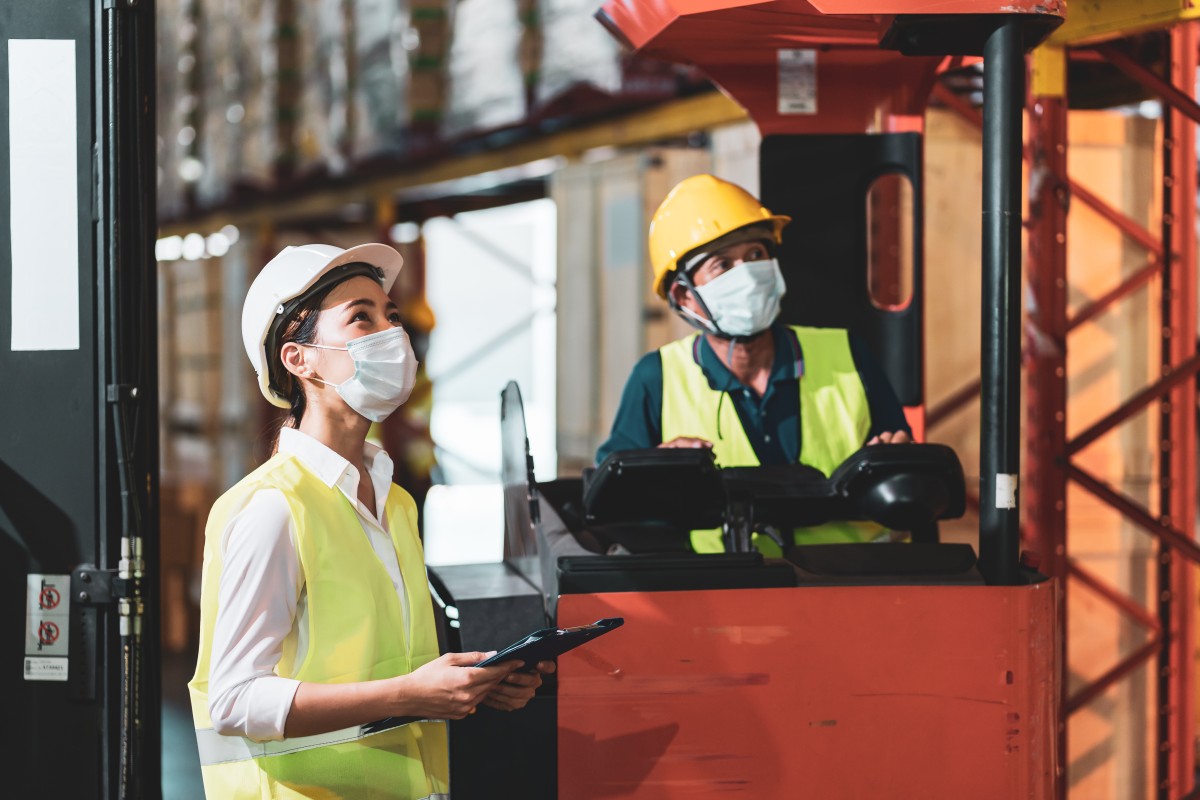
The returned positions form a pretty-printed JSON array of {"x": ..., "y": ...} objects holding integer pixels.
[
  {"x": 356, "y": 632},
  {"x": 834, "y": 421}
]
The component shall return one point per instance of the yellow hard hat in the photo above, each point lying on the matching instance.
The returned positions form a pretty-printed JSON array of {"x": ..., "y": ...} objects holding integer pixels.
[{"x": 700, "y": 210}]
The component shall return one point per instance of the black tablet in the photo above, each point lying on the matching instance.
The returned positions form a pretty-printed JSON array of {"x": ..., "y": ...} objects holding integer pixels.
[{"x": 549, "y": 643}]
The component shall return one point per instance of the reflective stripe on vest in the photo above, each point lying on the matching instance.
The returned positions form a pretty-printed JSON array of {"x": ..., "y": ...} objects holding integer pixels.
[
  {"x": 217, "y": 748},
  {"x": 356, "y": 632},
  {"x": 834, "y": 420}
]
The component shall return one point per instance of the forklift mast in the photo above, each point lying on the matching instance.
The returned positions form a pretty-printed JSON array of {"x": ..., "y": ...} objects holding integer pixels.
[{"x": 79, "y": 437}]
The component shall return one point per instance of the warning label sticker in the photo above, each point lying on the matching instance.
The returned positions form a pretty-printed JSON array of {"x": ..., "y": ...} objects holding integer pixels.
[
  {"x": 49, "y": 598},
  {"x": 47, "y": 623},
  {"x": 797, "y": 81},
  {"x": 45, "y": 669}
]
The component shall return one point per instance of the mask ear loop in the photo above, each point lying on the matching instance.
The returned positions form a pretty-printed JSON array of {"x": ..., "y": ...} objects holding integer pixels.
[{"x": 323, "y": 347}]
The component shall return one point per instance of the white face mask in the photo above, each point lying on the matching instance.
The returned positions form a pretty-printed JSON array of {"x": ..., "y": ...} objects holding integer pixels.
[
  {"x": 744, "y": 301},
  {"x": 385, "y": 370}
]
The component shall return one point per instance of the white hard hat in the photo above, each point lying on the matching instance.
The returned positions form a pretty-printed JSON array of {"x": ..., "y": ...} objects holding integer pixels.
[{"x": 291, "y": 275}]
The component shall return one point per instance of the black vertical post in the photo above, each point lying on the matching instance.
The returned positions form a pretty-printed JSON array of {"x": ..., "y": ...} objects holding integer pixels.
[
  {"x": 1000, "y": 423},
  {"x": 126, "y": 278}
]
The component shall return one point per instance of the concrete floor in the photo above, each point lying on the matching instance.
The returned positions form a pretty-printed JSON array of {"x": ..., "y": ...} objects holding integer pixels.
[{"x": 180, "y": 761}]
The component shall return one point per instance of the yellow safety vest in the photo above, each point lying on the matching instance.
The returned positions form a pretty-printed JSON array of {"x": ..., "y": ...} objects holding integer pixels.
[
  {"x": 834, "y": 421},
  {"x": 356, "y": 632}
]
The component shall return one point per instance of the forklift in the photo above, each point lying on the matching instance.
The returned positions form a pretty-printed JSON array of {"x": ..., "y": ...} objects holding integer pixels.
[{"x": 870, "y": 670}]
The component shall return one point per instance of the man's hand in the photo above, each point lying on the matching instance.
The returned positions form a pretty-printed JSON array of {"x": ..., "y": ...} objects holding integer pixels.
[
  {"x": 891, "y": 437},
  {"x": 688, "y": 441},
  {"x": 518, "y": 688}
]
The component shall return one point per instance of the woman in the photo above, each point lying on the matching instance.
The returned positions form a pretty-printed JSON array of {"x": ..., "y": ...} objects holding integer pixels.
[{"x": 315, "y": 615}]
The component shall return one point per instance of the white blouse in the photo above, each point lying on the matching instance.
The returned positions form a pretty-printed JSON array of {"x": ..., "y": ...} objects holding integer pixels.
[{"x": 262, "y": 597}]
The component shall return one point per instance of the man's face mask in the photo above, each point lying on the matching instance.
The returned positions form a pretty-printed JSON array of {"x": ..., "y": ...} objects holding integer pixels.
[
  {"x": 385, "y": 370},
  {"x": 743, "y": 301}
]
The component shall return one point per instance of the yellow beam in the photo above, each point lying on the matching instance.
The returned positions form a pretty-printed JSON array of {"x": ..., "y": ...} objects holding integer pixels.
[
  {"x": 1049, "y": 72},
  {"x": 670, "y": 120},
  {"x": 1091, "y": 21}
]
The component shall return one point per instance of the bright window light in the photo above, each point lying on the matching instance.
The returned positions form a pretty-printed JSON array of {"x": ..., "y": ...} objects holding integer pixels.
[
  {"x": 169, "y": 249},
  {"x": 193, "y": 247},
  {"x": 217, "y": 244}
]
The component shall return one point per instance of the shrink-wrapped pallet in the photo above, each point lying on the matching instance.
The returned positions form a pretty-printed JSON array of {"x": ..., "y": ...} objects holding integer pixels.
[
  {"x": 322, "y": 139},
  {"x": 258, "y": 62},
  {"x": 382, "y": 38},
  {"x": 486, "y": 86},
  {"x": 219, "y": 84},
  {"x": 371, "y": 77},
  {"x": 168, "y": 49},
  {"x": 576, "y": 51}
]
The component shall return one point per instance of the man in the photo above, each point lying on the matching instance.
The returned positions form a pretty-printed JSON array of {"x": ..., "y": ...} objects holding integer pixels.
[{"x": 753, "y": 389}]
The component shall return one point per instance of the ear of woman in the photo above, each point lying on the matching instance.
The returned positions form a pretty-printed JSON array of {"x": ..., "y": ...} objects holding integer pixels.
[{"x": 294, "y": 360}]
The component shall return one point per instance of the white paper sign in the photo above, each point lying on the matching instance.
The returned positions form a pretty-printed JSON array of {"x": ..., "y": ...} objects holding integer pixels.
[
  {"x": 797, "y": 81},
  {"x": 44, "y": 201},
  {"x": 1006, "y": 490}
]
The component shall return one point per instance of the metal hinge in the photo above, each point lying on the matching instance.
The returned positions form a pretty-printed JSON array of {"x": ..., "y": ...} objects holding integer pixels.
[{"x": 98, "y": 587}]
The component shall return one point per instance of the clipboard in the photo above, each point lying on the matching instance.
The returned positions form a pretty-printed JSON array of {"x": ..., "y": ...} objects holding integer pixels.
[{"x": 549, "y": 643}]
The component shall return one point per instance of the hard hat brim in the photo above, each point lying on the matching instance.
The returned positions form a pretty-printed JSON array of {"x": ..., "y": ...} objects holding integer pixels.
[{"x": 377, "y": 255}]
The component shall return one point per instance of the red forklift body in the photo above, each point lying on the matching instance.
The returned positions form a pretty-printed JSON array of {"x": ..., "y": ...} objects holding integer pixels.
[
  {"x": 824, "y": 692},
  {"x": 872, "y": 75}
]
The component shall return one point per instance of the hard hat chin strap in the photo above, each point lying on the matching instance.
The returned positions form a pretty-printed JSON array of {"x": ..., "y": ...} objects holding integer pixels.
[{"x": 705, "y": 324}]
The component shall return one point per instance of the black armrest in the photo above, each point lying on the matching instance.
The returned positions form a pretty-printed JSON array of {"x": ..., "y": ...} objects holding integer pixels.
[{"x": 903, "y": 486}]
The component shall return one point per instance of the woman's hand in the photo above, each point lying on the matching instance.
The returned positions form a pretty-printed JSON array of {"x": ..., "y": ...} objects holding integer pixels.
[
  {"x": 449, "y": 687},
  {"x": 518, "y": 688},
  {"x": 687, "y": 441},
  {"x": 891, "y": 437}
]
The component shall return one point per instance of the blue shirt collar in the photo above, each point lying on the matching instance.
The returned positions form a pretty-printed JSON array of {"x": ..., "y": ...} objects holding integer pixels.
[{"x": 788, "y": 364}]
